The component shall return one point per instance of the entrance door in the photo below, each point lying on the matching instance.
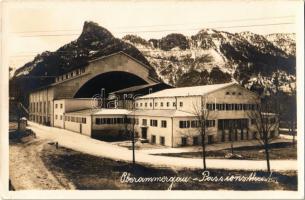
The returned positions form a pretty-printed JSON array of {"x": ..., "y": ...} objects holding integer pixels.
[{"x": 144, "y": 132}]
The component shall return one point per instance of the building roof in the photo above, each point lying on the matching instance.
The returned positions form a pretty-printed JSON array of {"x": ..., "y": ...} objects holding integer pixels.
[
  {"x": 152, "y": 113},
  {"x": 103, "y": 111},
  {"x": 134, "y": 88},
  {"x": 162, "y": 113},
  {"x": 188, "y": 91}
]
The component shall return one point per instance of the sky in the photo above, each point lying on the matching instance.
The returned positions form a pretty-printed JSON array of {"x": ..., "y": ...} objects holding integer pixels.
[{"x": 32, "y": 27}]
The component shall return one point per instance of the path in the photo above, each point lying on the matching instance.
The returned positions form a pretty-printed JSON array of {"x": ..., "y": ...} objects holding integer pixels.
[
  {"x": 91, "y": 146},
  {"x": 27, "y": 170}
]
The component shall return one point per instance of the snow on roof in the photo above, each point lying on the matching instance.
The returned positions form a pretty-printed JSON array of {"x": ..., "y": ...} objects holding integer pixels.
[
  {"x": 103, "y": 111},
  {"x": 187, "y": 91},
  {"x": 153, "y": 113},
  {"x": 162, "y": 113}
]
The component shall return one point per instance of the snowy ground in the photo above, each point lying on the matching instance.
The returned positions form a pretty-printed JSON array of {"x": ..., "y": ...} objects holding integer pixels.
[{"x": 88, "y": 145}]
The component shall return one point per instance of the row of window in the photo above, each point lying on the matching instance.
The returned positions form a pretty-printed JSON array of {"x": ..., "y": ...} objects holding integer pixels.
[
  {"x": 40, "y": 107},
  {"x": 196, "y": 123},
  {"x": 233, "y": 124},
  {"x": 100, "y": 121},
  {"x": 56, "y": 106},
  {"x": 161, "y": 139},
  {"x": 70, "y": 74},
  {"x": 218, "y": 106},
  {"x": 233, "y": 93},
  {"x": 76, "y": 119},
  {"x": 154, "y": 123},
  {"x": 162, "y": 104}
]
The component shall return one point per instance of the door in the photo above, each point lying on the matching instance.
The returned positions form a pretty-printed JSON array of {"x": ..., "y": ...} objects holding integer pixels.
[
  {"x": 144, "y": 132},
  {"x": 210, "y": 139}
]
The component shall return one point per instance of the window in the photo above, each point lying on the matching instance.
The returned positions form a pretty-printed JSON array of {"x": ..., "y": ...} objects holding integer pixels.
[
  {"x": 163, "y": 123},
  {"x": 83, "y": 70},
  {"x": 167, "y": 104},
  {"x": 97, "y": 120},
  {"x": 77, "y": 72},
  {"x": 136, "y": 104},
  {"x": 181, "y": 104},
  {"x": 195, "y": 140},
  {"x": 233, "y": 93},
  {"x": 150, "y": 104},
  {"x": 137, "y": 121},
  {"x": 161, "y": 104},
  {"x": 56, "y": 105},
  {"x": 71, "y": 74},
  {"x": 253, "y": 121},
  {"x": 239, "y": 93},
  {"x": 153, "y": 122},
  {"x": 272, "y": 134},
  {"x": 84, "y": 120},
  {"x": 55, "y": 116},
  {"x": 68, "y": 118},
  {"x": 144, "y": 122},
  {"x": 194, "y": 123},
  {"x": 183, "y": 141},
  {"x": 210, "y": 123},
  {"x": 211, "y": 106},
  {"x": 220, "y": 106},
  {"x": 184, "y": 124},
  {"x": 174, "y": 104},
  {"x": 67, "y": 76},
  {"x": 162, "y": 140},
  {"x": 227, "y": 93},
  {"x": 153, "y": 139},
  {"x": 255, "y": 135},
  {"x": 145, "y": 104},
  {"x": 141, "y": 104},
  {"x": 156, "y": 104},
  {"x": 61, "y": 105},
  {"x": 60, "y": 117}
]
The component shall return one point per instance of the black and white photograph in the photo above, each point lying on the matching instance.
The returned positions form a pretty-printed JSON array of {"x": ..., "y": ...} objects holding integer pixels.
[{"x": 152, "y": 99}]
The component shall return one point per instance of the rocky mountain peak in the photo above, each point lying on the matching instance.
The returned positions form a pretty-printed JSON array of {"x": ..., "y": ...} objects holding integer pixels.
[{"x": 93, "y": 32}]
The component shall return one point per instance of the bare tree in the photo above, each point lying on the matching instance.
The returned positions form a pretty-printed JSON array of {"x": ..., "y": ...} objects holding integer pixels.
[
  {"x": 265, "y": 122},
  {"x": 202, "y": 115}
]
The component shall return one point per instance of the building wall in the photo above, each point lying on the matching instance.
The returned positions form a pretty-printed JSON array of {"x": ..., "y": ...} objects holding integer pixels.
[
  {"x": 157, "y": 131},
  {"x": 63, "y": 106},
  {"x": 115, "y": 63},
  {"x": 59, "y": 110},
  {"x": 41, "y": 106},
  {"x": 78, "y": 126},
  {"x": 189, "y": 133}
]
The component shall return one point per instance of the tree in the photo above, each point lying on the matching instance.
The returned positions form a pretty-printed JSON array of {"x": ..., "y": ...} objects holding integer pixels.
[
  {"x": 203, "y": 115},
  {"x": 265, "y": 122},
  {"x": 130, "y": 126}
]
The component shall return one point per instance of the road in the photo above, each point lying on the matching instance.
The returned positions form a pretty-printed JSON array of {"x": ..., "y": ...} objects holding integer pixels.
[
  {"x": 91, "y": 146},
  {"x": 27, "y": 170}
]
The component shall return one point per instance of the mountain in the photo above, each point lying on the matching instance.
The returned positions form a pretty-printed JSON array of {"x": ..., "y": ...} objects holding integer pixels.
[
  {"x": 284, "y": 41},
  {"x": 256, "y": 61},
  {"x": 93, "y": 42},
  {"x": 212, "y": 56}
]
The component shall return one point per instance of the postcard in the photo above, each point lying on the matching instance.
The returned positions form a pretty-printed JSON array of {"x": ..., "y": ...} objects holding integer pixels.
[{"x": 152, "y": 99}]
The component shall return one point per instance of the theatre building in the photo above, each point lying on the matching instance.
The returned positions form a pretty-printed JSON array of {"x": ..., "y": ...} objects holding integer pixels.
[{"x": 169, "y": 117}]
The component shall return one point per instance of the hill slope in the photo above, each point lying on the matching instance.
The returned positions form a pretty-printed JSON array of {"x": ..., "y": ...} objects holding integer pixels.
[{"x": 212, "y": 56}]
